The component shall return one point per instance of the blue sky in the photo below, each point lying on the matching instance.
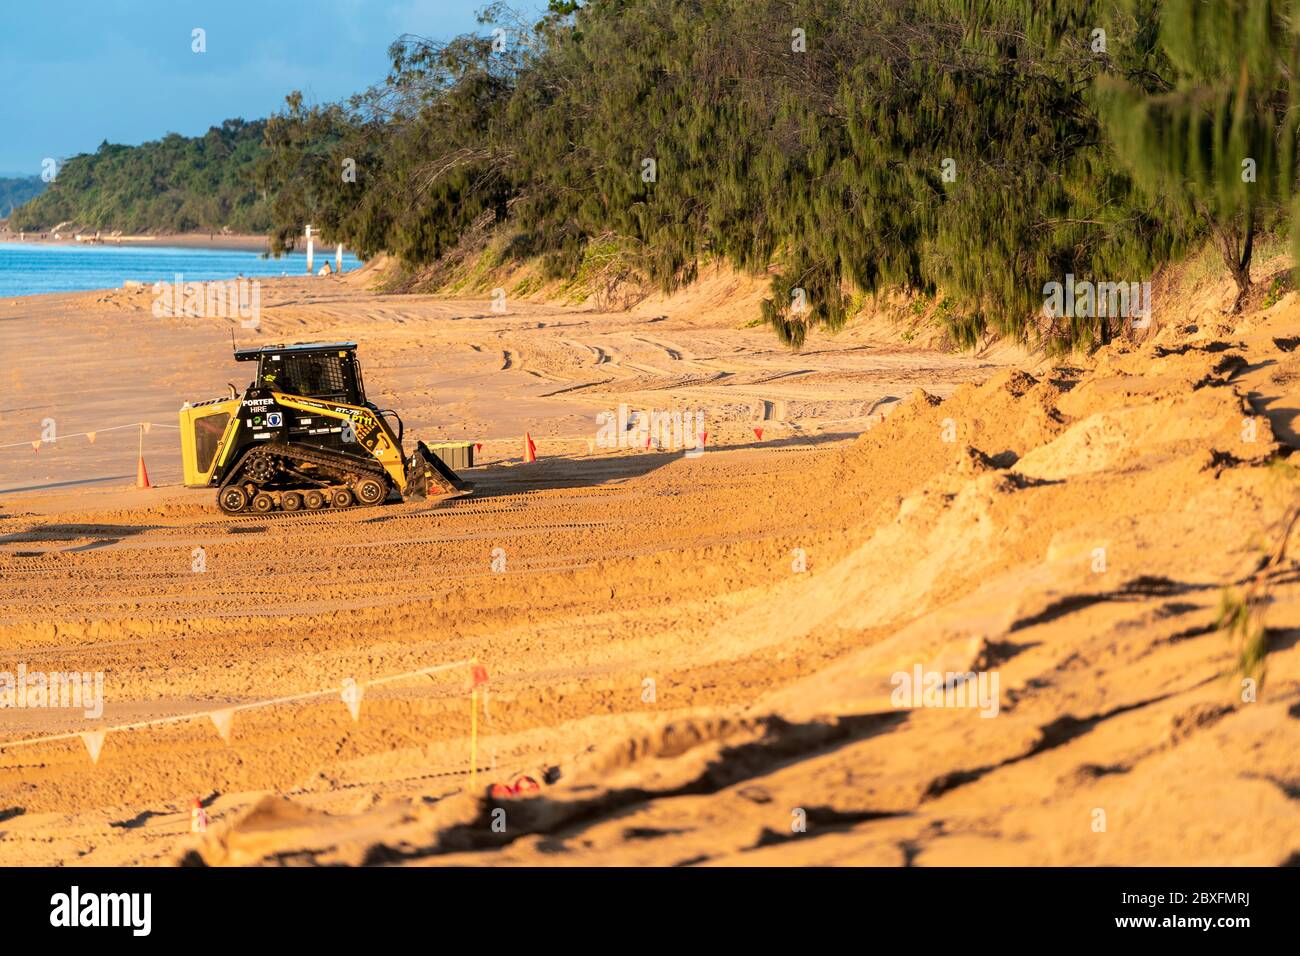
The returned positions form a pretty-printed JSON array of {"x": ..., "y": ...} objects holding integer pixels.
[{"x": 76, "y": 72}]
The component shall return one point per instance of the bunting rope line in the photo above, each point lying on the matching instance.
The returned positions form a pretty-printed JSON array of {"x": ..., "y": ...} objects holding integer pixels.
[
  {"x": 91, "y": 434},
  {"x": 94, "y": 432},
  {"x": 221, "y": 716}
]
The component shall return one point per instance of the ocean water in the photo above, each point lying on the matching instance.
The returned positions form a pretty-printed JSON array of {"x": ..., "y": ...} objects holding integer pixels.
[{"x": 31, "y": 269}]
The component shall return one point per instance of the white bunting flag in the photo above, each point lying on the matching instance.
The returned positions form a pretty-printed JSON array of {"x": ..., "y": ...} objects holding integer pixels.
[
  {"x": 352, "y": 692},
  {"x": 94, "y": 741},
  {"x": 222, "y": 720}
]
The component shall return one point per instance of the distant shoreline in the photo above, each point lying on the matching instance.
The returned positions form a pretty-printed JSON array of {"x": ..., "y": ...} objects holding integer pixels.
[
  {"x": 36, "y": 268},
  {"x": 185, "y": 240}
]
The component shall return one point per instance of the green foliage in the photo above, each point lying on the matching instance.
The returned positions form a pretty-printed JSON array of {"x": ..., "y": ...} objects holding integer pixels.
[
  {"x": 858, "y": 145},
  {"x": 1276, "y": 290},
  {"x": 175, "y": 184},
  {"x": 409, "y": 168},
  {"x": 1242, "y": 622},
  {"x": 1216, "y": 128},
  {"x": 16, "y": 191}
]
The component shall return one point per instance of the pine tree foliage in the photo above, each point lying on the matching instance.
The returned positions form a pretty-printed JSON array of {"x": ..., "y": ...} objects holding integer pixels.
[
  {"x": 17, "y": 190},
  {"x": 1219, "y": 128},
  {"x": 176, "y": 184},
  {"x": 970, "y": 150}
]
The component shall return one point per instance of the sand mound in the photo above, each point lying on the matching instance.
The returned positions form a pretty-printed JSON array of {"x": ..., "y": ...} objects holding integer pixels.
[{"x": 1048, "y": 531}]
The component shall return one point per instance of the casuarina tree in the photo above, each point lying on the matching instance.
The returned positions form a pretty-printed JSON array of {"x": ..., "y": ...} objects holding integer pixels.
[{"x": 1216, "y": 124}]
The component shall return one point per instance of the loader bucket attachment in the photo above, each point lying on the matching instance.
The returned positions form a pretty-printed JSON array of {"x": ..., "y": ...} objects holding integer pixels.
[{"x": 428, "y": 476}]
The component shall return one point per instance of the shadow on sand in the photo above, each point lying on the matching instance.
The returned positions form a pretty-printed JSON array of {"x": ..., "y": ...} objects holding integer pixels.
[{"x": 561, "y": 471}]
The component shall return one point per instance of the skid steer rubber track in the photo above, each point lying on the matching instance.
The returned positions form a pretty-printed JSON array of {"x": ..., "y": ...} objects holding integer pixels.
[{"x": 292, "y": 477}]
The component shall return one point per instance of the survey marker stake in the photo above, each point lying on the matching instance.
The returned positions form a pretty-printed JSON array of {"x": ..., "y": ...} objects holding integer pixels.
[{"x": 478, "y": 675}]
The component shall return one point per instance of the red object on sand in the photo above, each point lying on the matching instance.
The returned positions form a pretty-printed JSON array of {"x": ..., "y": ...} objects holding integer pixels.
[
  {"x": 526, "y": 784},
  {"x": 479, "y": 674},
  {"x": 530, "y": 449},
  {"x": 141, "y": 475}
]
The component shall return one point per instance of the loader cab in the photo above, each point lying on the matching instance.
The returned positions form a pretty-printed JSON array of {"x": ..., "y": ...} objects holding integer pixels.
[{"x": 326, "y": 371}]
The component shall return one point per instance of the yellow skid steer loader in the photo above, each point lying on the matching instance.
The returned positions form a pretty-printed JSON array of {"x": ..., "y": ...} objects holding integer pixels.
[{"x": 303, "y": 436}]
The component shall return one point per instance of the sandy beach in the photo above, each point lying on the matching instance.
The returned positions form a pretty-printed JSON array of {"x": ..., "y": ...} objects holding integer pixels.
[{"x": 694, "y": 657}]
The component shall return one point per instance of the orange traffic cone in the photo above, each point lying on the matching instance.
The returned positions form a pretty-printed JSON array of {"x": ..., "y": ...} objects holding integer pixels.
[
  {"x": 530, "y": 450},
  {"x": 141, "y": 473}
]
